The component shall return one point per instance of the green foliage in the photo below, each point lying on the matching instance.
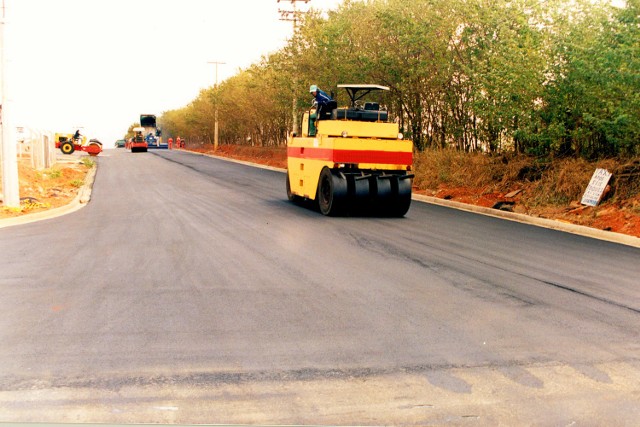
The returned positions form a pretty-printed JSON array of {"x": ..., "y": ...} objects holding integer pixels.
[
  {"x": 551, "y": 78},
  {"x": 594, "y": 97},
  {"x": 30, "y": 204},
  {"x": 130, "y": 132},
  {"x": 54, "y": 173},
  {"x": 86, "y": 161}
]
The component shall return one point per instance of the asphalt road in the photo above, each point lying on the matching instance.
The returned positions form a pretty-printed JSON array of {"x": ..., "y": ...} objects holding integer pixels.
[{"x": 189, "y": 290}]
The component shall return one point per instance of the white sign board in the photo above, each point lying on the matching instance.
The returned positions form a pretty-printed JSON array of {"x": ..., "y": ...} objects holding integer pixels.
[{"x": 598, "y": 183}]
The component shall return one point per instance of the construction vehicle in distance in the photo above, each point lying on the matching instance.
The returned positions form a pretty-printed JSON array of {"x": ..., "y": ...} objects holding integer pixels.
[
  {"x": 137, "y": 143},
  {"x": 68, "y": 143},
  {"x": 353, "y": 160},
  {"x": 152, "y": 135}
]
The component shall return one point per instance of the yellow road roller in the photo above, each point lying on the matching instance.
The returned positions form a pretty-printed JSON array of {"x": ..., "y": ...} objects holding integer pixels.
[{"x": 353, "y": 160}]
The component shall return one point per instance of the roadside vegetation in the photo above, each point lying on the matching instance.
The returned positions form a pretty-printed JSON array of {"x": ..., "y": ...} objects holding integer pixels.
[
  {"x": 48, "y": 188},
  {"x": 517, "y": 183},
  {"x": 552, "y": 79},
  {"x": 497, "y": 96}
]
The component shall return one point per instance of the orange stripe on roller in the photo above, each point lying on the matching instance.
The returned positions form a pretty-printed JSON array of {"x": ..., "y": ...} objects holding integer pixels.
[{"x": 352, "y": 156}]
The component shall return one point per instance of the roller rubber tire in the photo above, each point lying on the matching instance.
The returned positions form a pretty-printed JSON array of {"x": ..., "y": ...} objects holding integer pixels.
[
  {"x": 332, "y": 193},
  {"x": 402, "y": 198},
  {"x": 67, "y": 148},
  {"x": 359, "y": 196}
]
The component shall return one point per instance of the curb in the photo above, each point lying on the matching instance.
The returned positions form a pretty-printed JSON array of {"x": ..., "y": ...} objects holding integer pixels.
[
  {"x": 82, "y": 198},
  {"x": 581, "y": 230},
  {"x": 242, "y": 162}
]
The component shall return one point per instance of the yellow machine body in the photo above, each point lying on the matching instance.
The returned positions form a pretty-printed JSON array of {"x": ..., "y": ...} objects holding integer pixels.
[
  {"x": 351, "y": 160},
  {"x": 364, "y": 146}
]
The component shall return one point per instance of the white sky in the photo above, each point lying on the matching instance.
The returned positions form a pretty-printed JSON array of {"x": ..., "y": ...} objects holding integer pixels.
[{"x": 99, "y": 64}]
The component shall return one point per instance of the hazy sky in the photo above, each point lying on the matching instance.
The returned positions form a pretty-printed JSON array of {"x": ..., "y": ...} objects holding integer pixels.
[{"x": 101, "y": 63}]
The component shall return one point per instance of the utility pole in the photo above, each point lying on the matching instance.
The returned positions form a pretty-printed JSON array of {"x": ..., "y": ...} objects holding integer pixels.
[
  {"x": 10, "y": 186},
  {"x": 293, "y": 16},
  {"x": 215, "y": 88}
]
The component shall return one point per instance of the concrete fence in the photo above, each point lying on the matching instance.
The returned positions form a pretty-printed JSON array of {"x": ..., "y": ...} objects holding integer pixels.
[{"x": 37, "y": 145}]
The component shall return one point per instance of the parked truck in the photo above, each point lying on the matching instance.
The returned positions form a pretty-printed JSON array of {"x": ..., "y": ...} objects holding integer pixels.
[{"x": 152, "y": 134}]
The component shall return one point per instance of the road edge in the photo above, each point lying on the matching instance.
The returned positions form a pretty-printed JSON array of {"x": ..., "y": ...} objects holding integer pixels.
[{"x": 552, "y": 224}]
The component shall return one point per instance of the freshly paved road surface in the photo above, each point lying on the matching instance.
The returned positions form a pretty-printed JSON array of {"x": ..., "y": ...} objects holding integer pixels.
[{"x": 190, "y": 290}]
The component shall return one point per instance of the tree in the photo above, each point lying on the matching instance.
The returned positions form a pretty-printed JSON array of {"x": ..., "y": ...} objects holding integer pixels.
[
  {"x": 592, "y": 102},
  {"x": 547, "y": 78}
]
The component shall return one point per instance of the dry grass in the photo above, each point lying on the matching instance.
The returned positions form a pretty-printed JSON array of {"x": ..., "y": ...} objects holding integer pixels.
[
  {"x": 546, "y": 183},
  {"x": 48, "y": 188}
]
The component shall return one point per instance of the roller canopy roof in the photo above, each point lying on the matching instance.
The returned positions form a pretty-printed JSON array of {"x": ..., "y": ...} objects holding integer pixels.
[
  {"x": 364, "y": 87},
  {"x": 359, "y": 91}
]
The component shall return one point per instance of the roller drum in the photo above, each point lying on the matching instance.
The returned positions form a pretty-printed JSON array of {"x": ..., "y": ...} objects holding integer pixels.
[
  {"x": 393, "y": 195},
  {"x": 359, "y": 194},
  {"x": 332, "y": 193},
  {"x": 402, "y": 198}
]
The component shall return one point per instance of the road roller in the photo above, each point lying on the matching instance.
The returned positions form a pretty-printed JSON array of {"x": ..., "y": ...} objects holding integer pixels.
[
  {"x": 68, "y": 143},
  {"x": 351, "y": 161}
]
